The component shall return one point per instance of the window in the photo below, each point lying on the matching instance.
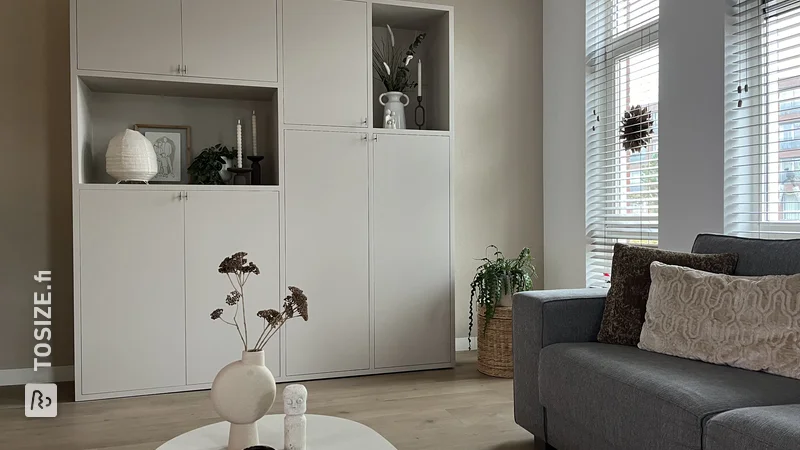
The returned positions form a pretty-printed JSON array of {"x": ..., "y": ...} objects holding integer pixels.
[
  {"x": 762, "y": 171},
  {"x": 621, "y": 162}
]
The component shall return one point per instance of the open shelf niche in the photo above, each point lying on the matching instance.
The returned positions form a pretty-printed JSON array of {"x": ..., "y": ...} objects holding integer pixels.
[
  {"x": 107, "y": 106},
  {"x": 407, "y": 22}
]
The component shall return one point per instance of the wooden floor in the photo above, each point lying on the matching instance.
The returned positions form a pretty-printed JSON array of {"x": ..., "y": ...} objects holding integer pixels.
[{"x": 437, "y": 410}]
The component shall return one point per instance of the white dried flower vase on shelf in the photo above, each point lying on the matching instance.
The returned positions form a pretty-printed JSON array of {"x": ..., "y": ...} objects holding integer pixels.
[
  {"x": 242, "y": 392},
  {"x": 130, "y": 158},
  {"x": 395, "y": 102}
]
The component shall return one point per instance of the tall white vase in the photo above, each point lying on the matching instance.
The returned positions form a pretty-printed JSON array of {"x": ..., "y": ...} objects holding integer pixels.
[
  {"x": 394, "y": 102},
  {"x": 242, "y": 392}
]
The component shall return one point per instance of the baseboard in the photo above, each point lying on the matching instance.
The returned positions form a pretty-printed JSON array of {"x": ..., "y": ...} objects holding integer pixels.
[
  {"x": 13, "y": 377},
  {"x": 462, "y": 344}
]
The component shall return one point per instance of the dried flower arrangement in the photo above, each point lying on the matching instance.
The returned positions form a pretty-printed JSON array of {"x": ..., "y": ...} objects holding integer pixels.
[
  {"x": 636, "y": 128},
  {"x": 391, "y": 63},
  {"x": 238, "y": 269}
]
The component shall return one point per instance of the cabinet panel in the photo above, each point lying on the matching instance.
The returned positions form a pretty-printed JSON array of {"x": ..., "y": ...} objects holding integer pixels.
[
  {"x": 219, "y": 224},
  {"x": 140, "y": 36},
  {"x": 411, "y": 250},
  {"x": 132, "y": 291},
  {"x": 325, "y": 62},
  {"x": 234, "y": 39},
  {"x": 327, "y": 252}
]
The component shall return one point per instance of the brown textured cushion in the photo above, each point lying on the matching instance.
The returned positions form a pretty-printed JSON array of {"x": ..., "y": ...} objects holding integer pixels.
[
  {"x": 747, "y": 322},
  {"x": 623, "y": 315}
]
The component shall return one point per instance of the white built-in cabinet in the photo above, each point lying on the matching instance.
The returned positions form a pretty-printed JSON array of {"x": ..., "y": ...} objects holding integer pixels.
[
  {"x": 210, "y": 237},
  {"x": 132, "y": 333},
  {"x": 358, "y": 216},
  {"x": 325, "y": 63},
  {"x": 231, "y": 39},
  {"x": 327, "y": 249},
  {"x": 149, "y": 262},
  {"x": 138, "y": 36},
  {"x": 411, "y": 247}
]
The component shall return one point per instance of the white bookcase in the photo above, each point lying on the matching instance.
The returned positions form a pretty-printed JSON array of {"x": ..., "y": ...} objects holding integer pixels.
[{"x": 358, "y": 216}]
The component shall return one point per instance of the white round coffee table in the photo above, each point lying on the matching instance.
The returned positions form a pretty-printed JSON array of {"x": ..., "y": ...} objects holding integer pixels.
[{"x": 322, "y": 433}]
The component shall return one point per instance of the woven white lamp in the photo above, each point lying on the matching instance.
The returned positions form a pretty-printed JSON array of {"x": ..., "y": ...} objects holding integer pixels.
[{"x": 130, "y": 157}]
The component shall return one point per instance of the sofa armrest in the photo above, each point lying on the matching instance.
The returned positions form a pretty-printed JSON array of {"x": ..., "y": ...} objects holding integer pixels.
[{"x": 542, "y": 318}]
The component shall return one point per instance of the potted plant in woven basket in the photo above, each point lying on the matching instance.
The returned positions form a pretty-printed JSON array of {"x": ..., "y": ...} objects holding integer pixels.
[{"x": 495, "y": 282}]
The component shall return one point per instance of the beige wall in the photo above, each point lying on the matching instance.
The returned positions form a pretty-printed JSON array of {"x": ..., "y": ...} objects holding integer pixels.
[
  {"x": 35, "y": 228},
  {"x": 498, "y": 153},
  {"x": 498, "y": 172}
]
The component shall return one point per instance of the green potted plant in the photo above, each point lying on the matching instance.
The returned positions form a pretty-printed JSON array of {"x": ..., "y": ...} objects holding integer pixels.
[
  {"x": 208, "y": 166},
  {"x": 493, "y": 286}
]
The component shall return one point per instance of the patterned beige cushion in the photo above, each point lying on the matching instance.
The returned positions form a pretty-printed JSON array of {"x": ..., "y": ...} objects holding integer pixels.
[{"x": 747, "y": 322}]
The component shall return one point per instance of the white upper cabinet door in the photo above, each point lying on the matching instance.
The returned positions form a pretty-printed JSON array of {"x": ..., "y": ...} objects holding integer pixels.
[
  {"x": 411, "y": 248},
  {"x": 233, "y": 39},
  {"x": 139, "y": 36},
  {"x": 327, "y": 250},
  {"x": 219, "y": 224},
  {"x": 132, "y": 291},
  {"x": 325, "y": 62}
]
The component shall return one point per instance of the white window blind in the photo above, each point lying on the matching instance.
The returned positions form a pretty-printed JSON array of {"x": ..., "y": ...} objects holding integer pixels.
[
  {"x": 621, "y": 179},
  {"x": 762, "y": 154}
]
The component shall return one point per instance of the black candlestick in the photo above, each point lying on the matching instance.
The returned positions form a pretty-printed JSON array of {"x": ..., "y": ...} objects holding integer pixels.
[
  {"x": 419, "y": 121},
  {"x": 255, "y": 177},
  {"x": 240, "y": 174}
]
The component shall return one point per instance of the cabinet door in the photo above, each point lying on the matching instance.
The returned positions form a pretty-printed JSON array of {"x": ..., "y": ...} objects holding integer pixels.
[
  {"x": 132, "y": 295},
  {"x": 325, "y": 55},
  {"x": 219, "y": 224},
  {"x": 233, "y": 39},
  {"x": 140, "y": 36},
  {"x": 327, "y": 252},
  {"x": 411, "y": 248}
]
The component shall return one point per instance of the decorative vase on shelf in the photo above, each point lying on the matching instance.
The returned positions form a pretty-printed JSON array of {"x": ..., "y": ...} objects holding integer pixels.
[
  {"x": 395, "y": 102},
  {"x": 226, "y": 176},
  {"x": 242, "y": 392},
  {"x": 131, "y": 158}
]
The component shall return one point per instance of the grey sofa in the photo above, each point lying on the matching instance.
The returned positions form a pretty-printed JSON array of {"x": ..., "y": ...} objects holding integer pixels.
[{"x": 574, "y": 393}]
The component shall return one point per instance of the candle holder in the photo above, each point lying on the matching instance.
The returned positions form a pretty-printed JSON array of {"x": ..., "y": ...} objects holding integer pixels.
[
  {"x": 419, "y": 111},
  {"x": 240, "y": 174},
  {"x": 255, "y": 177}
]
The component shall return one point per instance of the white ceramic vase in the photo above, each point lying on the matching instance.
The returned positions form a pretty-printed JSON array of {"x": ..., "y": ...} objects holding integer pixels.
[
  {"x": 226, "y": 176},
  {"x": 130, "y": 157},
  {"x": 242, "y": 392},
  {"x": 394, "y": 102}
]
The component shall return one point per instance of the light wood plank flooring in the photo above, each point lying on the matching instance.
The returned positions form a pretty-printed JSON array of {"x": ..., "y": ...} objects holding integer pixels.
[{"x": 437, "y": 410}]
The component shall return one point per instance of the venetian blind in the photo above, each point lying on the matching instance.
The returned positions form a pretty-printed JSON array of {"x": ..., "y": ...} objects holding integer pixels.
[
  {"x": 621, "y": 162},
  {"x": 762, "y": 154}
]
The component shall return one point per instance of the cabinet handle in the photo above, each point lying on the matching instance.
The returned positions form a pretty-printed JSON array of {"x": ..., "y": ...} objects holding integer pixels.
[
  {"x": 364, "y": 121},
  {"x": 186, "y": 196},
  {"x": 180, "y": 196},
  {"x": 184, "y": 69},
  {"x": 375, "y": 138},
  {"x": 364, "y": 138}
]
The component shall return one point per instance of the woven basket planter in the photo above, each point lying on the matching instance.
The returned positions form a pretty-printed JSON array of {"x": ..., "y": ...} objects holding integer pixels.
[{"x": 495, "y": 357}]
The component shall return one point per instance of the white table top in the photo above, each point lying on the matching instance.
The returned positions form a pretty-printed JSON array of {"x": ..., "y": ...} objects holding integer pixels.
[{"x": 322, "y": 432}]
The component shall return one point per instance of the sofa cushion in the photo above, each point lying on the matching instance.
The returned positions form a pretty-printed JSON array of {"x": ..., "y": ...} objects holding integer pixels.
[
  {"x": 641, "y": 400},
  {"x": 626, "y": 302},
  {"x": 747, "y": 322},
  {"x": 757, "y": 257},
  {"x": 767, "y": 428}
]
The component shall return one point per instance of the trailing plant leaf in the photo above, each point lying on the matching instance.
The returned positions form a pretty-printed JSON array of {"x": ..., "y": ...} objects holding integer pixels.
[
  {"x": 390, "y": 63},
  {"x": 497, "y": 277}
]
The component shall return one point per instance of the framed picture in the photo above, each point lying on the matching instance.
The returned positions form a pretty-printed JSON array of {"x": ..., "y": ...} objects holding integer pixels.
[{"x": 173, "y": 147}]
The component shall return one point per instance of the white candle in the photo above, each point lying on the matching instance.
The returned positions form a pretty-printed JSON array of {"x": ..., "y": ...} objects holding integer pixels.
[
  {"x": 419, "y": 78},
  {"x": 239, "y": 143},
  {"x": 255, "y": 142}
]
